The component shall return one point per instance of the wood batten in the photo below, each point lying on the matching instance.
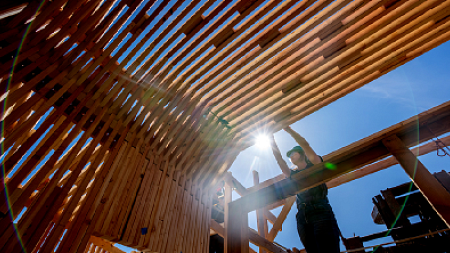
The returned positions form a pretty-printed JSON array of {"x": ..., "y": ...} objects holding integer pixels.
[
  {"x": 261, "y": 68},
  {"x": 120, "y": 115}
]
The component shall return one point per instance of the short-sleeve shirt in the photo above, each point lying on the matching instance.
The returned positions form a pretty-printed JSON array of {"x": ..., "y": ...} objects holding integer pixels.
[{"x": 315, "y": 194}]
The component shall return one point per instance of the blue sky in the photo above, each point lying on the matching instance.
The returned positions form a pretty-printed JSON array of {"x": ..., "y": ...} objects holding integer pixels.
[{"x": 408, "y": 90}]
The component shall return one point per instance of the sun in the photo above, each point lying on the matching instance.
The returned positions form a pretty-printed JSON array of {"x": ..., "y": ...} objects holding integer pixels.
[{"x": 262, "y": 142}]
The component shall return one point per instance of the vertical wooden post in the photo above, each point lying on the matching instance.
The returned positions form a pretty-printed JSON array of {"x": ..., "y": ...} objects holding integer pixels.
[
  {"x": 227, "y": 200},
  {"x": 236, "y": 232},
  {"x": 260, "y": 220},
  {"x": 430, "y": 187}
]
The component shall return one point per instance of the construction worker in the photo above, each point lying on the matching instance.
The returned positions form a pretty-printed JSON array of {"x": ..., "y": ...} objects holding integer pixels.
[{"x": 316, "y": 223}]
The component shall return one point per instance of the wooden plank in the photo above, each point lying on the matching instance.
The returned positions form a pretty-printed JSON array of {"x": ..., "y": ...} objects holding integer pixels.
[
  {"x": 159, "y": 206},
  {"x": 281, "y": 218},
  {"x": 430, "y": 187},
  {"x": 150, "y": 206},
  {"x": 253, "y": 30},
  {"x": 136, "y": 184},
  {"x": 196, "y": 223},
  {"x": 105, "y": 245},
  {"x": 301, "y": 18},
  {"x": 182, "y": 225},
  {"x": 93, "y": 199},
  {"x": 44, "y": 126},
  {"x": 241, "y": 190},
  {"x": 253, "y": 237},
  {"x": 264, "y": 243},
  {"x": 444, "y": 178},
  {"x": 236, "y": 240},
  {"x": 218, "y": 228},
  {"x": 112, "y": 188},
  {"x": 228, "y": 190},
  {"x": 168, "y": 241},
  {"x": 38, "y": 206},
  {"x": 260, "y": 220},
  {"x": 328, "y": 99},
  {"x": 269, "y": 217},
  {"x": 164, "y": 220},
  {"x": 206, "y": 220},
  {"x": 67, "y": 213},
  {"x": 386, "y": 163},
  {"x": 193, "y": 220},
  {"x": 412, "y": 35},
  {"x": 186, "y": 229},
  {"x": 35, "y": 157},
  {"x": 137, "y": 212},
  {"x": 111, "y": 221},
  {"x": 147, "y": 204}
]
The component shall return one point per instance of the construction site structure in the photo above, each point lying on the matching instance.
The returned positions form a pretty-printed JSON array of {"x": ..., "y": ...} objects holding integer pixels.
[
  {"x": 394, "y": 208},
  {"x": 120, "y": 117}
]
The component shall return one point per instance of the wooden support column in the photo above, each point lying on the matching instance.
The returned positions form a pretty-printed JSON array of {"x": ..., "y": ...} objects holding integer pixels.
[
  {"x": 227, "y": 199},
  {"x": 430, "y": 187},
  {"x": 236, "y": 229},
  {"x": 260, "y": 220}
]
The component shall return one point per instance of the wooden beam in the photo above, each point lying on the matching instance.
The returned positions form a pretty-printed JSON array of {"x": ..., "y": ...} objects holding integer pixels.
[
  {"x": 221, "y": 232},
  {"x": 260, "y": 220},
  {"x": 228, "y": 199},
  {"x": 105, "y": 245},
  {"x": 235, "y": 184},
  {"x": 281, "y": 218},
  {"x": 264, "y": 243},
  {"x": 269, "y": 216},
  {"x": 363, "y": 152},
  {"x": 386, "y": 163},
  {"x": 434, "y": 192},
  {"x": 266, "y": 183},
  {"x": 241, "y": 190},
  {"x": 279, "y": 158},
  {"x": 219, "y": 229},
  {"x": 236, "y": 227},
  {"x": 253, "y": 237}
]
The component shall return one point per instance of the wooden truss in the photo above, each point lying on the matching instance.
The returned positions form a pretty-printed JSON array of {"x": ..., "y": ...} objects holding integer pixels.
[
  {"x": 264, "y": 215},
  {"x": 119, "y": 115},
  {"x": 263, "y": 237},
  {"x": 392, "y": 141}
]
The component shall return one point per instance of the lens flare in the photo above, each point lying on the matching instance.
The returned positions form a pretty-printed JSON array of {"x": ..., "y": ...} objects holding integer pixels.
[
  {"x": 330, "y": 166},
  {"x": 262, "y": 142},
  {"x": 27, "y": 30}
]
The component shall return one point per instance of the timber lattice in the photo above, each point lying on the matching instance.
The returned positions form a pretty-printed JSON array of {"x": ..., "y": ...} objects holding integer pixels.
[{"x": 120, "y": 115}]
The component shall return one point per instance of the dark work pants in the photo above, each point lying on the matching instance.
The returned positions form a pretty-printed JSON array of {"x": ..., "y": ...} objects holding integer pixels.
[{"x": 317, "y": 228}]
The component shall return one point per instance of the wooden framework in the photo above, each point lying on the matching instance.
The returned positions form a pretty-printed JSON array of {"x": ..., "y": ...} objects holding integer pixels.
[
  {"x": 393, "y": 140},
  {"x": 119, "y": 115}
]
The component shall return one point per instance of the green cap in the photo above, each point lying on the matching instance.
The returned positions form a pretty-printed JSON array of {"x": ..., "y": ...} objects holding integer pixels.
[{"x": 297, "y": 149}]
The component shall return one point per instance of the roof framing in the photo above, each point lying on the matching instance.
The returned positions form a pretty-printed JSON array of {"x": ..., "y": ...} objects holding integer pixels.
[{"x": 194, "y": 79}]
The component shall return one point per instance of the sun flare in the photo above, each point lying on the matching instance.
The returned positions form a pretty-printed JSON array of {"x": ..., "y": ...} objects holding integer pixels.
[{"x": 262, "y": 142}]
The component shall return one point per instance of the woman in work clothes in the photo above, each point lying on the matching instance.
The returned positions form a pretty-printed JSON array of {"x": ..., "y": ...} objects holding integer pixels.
[{"x": 316, "y": 223}]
